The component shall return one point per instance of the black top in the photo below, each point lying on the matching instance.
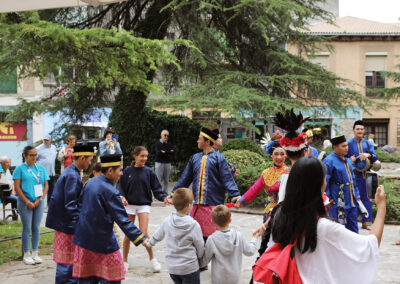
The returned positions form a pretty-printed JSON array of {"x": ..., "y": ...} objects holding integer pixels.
[
  {"x": 164, "y": 157},
  {"x": 138, "y": 184}
]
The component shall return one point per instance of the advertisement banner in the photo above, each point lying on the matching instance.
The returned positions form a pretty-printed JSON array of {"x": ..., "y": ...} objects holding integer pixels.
[{"x": 12, "y": 131}]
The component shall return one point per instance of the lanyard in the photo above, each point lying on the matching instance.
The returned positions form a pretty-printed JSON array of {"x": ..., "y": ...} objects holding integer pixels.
[{"x": 37, "y": 177}]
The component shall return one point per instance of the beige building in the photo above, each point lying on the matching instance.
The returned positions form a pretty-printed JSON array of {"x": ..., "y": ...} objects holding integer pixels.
[{"x": 361, "y": 49}]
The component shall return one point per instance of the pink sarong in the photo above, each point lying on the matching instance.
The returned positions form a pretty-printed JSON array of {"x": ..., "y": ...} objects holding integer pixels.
[
  {"x": 64, "y": 249},
  {"x": 202, "y": 214},
  {"x": 88, "y": 263}
]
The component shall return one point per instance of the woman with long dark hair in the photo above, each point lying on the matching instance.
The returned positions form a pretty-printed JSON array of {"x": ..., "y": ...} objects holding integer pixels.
[{"x": 326, "y": 252}]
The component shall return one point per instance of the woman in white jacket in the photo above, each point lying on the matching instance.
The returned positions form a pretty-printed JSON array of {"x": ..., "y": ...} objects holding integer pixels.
[{"x": 327, "y": 252}]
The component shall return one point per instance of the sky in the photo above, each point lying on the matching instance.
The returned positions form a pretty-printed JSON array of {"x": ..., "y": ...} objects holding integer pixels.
[{"x": 385, "y": 11}]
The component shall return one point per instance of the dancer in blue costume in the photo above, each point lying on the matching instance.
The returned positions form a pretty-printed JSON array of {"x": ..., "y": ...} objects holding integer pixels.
[
  {"x": 340, "y": 185},
  {"x": 63, "y": 212},
  {"x": 362, "y": 148}
]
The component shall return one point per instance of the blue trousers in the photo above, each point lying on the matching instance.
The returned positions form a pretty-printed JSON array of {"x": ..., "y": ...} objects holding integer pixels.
[
  {"x": 64, "y": 274},
  {"x": 192, "y": 278},
  {"x": 95, "y": 280},
  {"x": 362, "y": 188},
  {"x": 351, "y": 217},
  {"x": 30, "y": 219}
]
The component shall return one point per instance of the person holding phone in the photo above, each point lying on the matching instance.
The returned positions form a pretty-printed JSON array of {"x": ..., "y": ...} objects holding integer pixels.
[
  {"x": 110, "y": 146},
  {"x": 31, "y": 185}
]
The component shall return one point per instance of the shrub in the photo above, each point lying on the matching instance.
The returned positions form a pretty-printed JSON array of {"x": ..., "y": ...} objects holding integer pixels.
[
  {"x": 243, "y": 144},
  {"x": 244, "y": 158},
  {"x": 387, "y": 157},
  {"x": 251, "y": 165}
]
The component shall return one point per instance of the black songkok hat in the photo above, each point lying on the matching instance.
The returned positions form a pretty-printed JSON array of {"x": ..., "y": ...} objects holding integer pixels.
[
  {"x": 338, "y": 140},
  {"x": 358, "y": 122},
  {"x": 83, "y": 150},
  {"x": 110, "y": 161},
  {"x": 209, "y": 134}
]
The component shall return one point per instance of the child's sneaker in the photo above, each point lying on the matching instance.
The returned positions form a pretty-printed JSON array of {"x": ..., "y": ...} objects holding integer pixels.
[
  {"x": 155, "y": 265},
  {"x": 28, "y": 258},
  {"x": 36, "y": 257}
]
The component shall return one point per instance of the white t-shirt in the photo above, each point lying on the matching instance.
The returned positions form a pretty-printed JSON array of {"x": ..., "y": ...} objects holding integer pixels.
[
  {"x": 341, "y": 256},
  {"x": 282, "y": 187}
]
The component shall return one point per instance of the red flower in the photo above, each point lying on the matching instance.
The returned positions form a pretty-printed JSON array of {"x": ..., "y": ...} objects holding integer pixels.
[{"x": 296, "y": 141}]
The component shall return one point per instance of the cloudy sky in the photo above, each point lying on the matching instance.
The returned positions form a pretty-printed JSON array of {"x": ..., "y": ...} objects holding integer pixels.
[{"x": 385, "y": 11}]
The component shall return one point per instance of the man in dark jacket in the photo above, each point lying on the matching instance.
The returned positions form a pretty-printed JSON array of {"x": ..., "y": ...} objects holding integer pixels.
[{"x": 164, "y": 151}]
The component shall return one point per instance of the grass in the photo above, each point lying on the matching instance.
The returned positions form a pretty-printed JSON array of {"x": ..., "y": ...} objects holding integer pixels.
[{"x": 11, "y": 250}]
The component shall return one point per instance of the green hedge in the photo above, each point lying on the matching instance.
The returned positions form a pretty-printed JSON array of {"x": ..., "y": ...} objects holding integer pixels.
[
  {"x": 387, "y": 157},
  {"x": 244, "y": 158},
  {"x": 251, "y": 165},
  {"x": 243, "y": 144},
  {"x": 139, "y": 125}
]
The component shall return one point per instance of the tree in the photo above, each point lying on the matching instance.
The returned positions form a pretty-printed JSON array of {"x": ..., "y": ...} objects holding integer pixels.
[{"x": 234, "y": 60}]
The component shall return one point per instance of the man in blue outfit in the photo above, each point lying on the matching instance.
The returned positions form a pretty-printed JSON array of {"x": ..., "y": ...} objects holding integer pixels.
[
  {"x": 211, "y": 178},
  {"x": 63, "y": 212},
  {"x": 340, "y": 185},
  {"x": 362, "y": 149}
]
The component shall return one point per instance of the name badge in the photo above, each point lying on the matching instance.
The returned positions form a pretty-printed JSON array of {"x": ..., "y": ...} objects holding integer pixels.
[{"x": 38, "y": 190}]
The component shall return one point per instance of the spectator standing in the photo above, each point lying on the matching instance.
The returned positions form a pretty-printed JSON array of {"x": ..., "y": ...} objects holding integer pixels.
[
  {"x": 164, "y": 151},
  {"x": 66, "y": 154},
  {"x": 31, "y": 185},
  {"x": 110, "y": 145},
  {"x": 46, "y": 156},
  {"x": 6, "y": 178}
]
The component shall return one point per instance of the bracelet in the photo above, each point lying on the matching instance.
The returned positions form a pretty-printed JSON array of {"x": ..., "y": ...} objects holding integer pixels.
[{"x": 264, "y": 227}]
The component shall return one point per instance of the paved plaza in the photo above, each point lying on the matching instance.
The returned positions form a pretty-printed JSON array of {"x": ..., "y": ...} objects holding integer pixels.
[{"x": 139, "y": 272}]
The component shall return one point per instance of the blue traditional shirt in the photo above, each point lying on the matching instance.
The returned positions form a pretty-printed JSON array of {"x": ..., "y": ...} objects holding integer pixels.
[
  {"x": 364, "y": 146},
  {"x": 340, "y": 172},
  {"x": 211, "y": 179},
  {"x": 100, "y": 207},
  {"x": 63, "y": 212}
]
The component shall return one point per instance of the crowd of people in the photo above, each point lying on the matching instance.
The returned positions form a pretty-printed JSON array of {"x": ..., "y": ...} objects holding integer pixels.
[{"x": 312, "y": 206}]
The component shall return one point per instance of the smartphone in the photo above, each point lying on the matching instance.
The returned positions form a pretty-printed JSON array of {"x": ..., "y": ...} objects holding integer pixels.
[
  {"x": 372, "y": 181},
  {"x": 114, "y": 136}
]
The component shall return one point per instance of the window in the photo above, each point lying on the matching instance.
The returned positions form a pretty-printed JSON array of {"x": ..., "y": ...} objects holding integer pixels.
[
  {"x": 322, "y": 60},
  {"x": 8, "y": 85},
  {"x": 378, "y": 127},
  {"x": 374, "y": 80},
  {"x": 373, "y": 76}
]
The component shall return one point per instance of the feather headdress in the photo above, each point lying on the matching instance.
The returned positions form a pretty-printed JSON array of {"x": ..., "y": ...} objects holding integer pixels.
[{"x": 290, "y": 122}]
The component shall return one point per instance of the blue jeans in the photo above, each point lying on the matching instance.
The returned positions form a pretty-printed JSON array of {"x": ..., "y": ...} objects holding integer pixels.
[
  {"x": 95, "y": 280},
  {"x": 30, "y": 219},
  {"x": 192, "y": 278}
]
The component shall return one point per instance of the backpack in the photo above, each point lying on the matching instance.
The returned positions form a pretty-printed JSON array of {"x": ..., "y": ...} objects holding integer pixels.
[{"x": 277, "y": 266}]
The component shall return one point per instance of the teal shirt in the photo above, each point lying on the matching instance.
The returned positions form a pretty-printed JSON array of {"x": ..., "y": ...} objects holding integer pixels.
[{"x": 28, "y": 181}]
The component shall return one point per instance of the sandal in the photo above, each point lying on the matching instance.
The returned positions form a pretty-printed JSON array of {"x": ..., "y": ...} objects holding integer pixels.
[{"x": 397, "y": 243}]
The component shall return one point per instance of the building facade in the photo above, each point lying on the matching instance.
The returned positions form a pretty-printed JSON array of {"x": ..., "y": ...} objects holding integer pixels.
[{"x": 362, "y": 49}]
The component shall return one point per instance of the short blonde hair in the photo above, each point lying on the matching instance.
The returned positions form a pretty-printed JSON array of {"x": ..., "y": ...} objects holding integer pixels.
[
  {"x": 221, "y": 215},
  {"x": 182, "y": 198}
]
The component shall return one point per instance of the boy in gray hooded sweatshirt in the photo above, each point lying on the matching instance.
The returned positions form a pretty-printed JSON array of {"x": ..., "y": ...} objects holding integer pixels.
[
  {"x": 225, "y": 248},
  {"x": 184, "y": 240}
]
